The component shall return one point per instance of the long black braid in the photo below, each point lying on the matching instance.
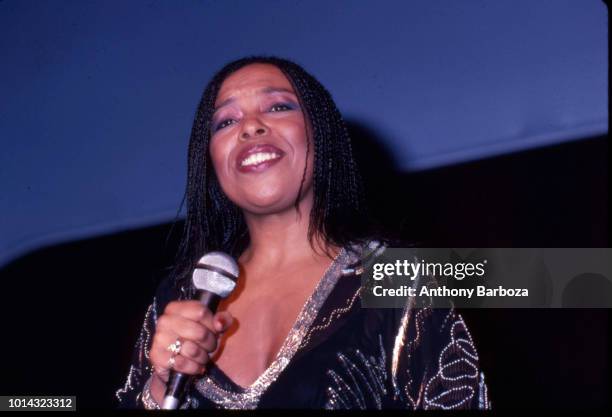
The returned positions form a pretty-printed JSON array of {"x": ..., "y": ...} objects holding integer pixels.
[{"x": 213, "y": 222}]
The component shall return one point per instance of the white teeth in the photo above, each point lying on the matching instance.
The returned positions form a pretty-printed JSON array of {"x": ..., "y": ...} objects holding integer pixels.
[{"x": 258, "y": 158}]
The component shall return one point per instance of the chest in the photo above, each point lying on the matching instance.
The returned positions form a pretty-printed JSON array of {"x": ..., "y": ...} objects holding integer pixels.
[{"x": 263, "y": 318}]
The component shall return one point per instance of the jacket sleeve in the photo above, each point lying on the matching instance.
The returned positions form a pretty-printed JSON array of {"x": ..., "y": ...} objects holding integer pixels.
[
  {"x": 434, "y": 363},
  {"x": 130, "y": 395}
]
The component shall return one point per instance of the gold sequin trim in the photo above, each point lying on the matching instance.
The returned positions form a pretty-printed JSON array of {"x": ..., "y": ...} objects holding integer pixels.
[
  {"x": 147, "y": 399},
  {"x": 329, "y": 319}
]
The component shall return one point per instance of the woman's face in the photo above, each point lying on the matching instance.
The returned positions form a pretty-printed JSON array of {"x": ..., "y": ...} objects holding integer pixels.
[{"x": 258, "y": 141}]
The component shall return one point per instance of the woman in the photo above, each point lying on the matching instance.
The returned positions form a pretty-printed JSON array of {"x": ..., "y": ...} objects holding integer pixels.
[{"x": 272, "y": 181}]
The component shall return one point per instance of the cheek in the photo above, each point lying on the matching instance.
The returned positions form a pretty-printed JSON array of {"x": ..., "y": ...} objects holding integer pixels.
[
  {"x": 304, "y": 146},
  {"x": 218, "y": 155},
  {"x": 296, "y": 132}
]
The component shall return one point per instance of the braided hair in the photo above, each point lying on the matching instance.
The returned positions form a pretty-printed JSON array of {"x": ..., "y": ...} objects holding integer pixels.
[{"x": 213, "y": 222}]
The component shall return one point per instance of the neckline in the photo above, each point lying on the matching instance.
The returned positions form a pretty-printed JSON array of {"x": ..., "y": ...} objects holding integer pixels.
[{"x": 217, "y": 386}]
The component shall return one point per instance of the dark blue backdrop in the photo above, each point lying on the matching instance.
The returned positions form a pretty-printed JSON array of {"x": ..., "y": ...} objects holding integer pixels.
[{"x": 97, "y": 97}]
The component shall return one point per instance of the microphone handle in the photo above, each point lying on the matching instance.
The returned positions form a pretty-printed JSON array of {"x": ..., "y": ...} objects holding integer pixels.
[{"x": 178, "y": 382}]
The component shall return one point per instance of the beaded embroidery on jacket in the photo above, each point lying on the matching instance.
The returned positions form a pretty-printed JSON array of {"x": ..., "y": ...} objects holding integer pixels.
[
  {"x": 363, "y": 380},
  {"x": 453, "y": 381},
  {"x": 136, "y": 376},
  {"x": 360, "y": 375}
]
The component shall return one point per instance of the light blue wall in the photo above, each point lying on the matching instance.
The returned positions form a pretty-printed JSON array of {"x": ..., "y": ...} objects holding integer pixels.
[{"x": 97, "y": 97}]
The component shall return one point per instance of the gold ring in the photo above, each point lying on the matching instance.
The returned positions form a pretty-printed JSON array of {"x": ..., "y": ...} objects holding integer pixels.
[
  {"x": 171, "y": 361},
  {"x": 175, "y": 347}
]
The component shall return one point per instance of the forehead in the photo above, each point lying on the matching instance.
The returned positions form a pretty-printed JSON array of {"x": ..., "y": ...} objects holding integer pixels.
[{"x": 253, "y": 77}]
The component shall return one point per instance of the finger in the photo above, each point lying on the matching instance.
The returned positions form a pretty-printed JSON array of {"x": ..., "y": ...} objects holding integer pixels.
[
  {"x": 160, "y": 353},
  {"x": 186, "y": 365},
  {"x": 194, "y": 352},
  {"x": 176, "y": 327},
  {"x": 162, "y": 363},
  {"x": 222, "y": 321},
  {"x": 189, "y": 309},
  {"x": 162, "y": 373},
  {"x": 208, "y": 321},
  {"x": 159, "y": 366}
]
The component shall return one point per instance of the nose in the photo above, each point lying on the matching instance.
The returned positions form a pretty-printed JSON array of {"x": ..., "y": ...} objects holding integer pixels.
[{"x": 252, "y": 127}]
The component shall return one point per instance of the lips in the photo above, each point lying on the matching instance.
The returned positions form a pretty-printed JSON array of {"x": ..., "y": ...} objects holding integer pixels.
[{"x": 256, "y": 158}]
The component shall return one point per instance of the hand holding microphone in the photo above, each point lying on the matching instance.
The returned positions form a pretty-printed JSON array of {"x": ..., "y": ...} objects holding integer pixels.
[
  {"x": 188, "y": 331},
  {"x": 196, "y": 328}
]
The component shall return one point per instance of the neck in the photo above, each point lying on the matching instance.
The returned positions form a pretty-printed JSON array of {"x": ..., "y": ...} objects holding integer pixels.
[{"x": 281, "y": 239}]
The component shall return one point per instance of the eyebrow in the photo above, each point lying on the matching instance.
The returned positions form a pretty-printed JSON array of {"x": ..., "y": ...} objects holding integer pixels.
[{"x": 265, "y": 90}]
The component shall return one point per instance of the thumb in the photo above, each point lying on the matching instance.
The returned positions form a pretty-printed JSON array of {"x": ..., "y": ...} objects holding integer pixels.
[{"x": 222, "y": 321}]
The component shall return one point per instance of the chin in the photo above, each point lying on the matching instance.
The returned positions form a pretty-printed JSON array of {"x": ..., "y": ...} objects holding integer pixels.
[
  {"x": 268, "y": 204},
  {"x": 273, "y": 197}
]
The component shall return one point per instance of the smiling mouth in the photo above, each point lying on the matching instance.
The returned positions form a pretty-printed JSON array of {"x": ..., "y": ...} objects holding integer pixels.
[{"x": 259, "y": 158}]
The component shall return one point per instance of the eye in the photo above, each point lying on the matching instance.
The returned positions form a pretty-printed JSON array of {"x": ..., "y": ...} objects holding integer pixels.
[
  {"x": 222, "y": 124},
  {"x": 281, "y": 107}
]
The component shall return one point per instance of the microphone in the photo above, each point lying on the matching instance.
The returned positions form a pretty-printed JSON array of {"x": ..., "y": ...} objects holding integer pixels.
[{"x": 214, "y": 278}]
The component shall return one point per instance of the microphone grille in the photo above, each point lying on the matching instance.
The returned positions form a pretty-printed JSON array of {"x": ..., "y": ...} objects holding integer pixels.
[{"x": 216, "y": 272}]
